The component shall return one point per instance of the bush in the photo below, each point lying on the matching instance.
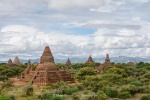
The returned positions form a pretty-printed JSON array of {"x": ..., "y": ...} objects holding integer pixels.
[
  {"x": 28, "y": 89},
  {"x": 6, "y": 84},
  {"x": 117, "y": 71},
  {"x": 69, "y": 91},
  {"x": 3, "y": 78},
  {"x": 101, "y": 95},
  {"x": 84, "y": 72},
  {"x": 136, "y": 83},
  {"x": 50, "y": 96},
  {"x": 5, "y": 98},
  {"x": 130, "y": 88},
  {"x": 147, "y": 75},
  {"x": 111, "y": 92},
  {"x": 124, "y": 95},
  {"x": 90, "y": 96},
  {"x": 75, "y": 96},
  {"x": 145, "y": 97},
  {"x": 113, "y": 78}
]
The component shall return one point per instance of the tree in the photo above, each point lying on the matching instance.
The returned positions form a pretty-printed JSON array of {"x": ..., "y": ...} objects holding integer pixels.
[
  {"x": 28, "y": 90},
  {"x": 117, "y": 71},
  {"x": 84, "y": 72}
]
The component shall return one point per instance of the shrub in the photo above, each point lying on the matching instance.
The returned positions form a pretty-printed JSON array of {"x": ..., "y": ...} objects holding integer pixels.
[
  {"x": 145, "y": 97},
  {"x": 75, "y": 96},
  {"x": 50, "y": 96},
  {"x": 136, "y": 83},
  {"x": 124, "y": 95},
  {"x": 118, "y": 71},
  {"x": 111, "y": 92},
  {"x": 83, "y": 72},
  {"x": 5, "y": 98},
  {"x": 3, "y": 78},
  {"x": 90, "y": 96},
  {"x": 69, "y": 91},
  {"x": 130, "y": 88},
  {"x": 147, "y": 75},
  {"x": 28, "y": 89},
  {"x": 113, "y": 78},
  {"x": 101, "y": 95},
  {"x": 80, "y": 86},
  {"x": 6, "y": 84}
]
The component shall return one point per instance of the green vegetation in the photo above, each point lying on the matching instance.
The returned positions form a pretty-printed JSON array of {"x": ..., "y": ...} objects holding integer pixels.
[
  {"x": 122, "y": 81},
  {"x": 7, "y": 72}
]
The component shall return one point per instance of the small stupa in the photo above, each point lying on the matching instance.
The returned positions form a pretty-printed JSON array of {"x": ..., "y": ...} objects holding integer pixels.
[
  {"x": 46, "y": 72},
  {"x": 10, "y": 64},
  {"x": 90, "y": 60},
  {"x": 68, "y": 62},
  {"x": 16, "y": 61},
  {"x": 107, "y": 63},
  {"x": 28, "y": 69}
]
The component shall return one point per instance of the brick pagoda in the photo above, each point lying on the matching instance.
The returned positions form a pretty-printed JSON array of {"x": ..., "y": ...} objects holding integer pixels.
[
  {"x": 16, "y": 61},
  {"x": 107, "y": 63},
  {"x": 10, "y": 63},
  {"x": 46, "y": 72},
  {"x": 90, "y": 60},
  {"x": 68, "y": 62}
]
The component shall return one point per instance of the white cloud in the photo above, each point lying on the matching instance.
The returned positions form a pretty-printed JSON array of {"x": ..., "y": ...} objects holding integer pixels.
[
  {"x": 19, "y": 29},
  {"x": 67, "y": 4},
  {"x": 121, "y": 28},
  {"x": 125, "y": 32}
]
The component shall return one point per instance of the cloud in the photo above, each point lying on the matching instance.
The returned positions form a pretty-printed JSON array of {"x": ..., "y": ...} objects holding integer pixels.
[
  {"x": 67, "y": 4},
  {"x": 119, "y": 27},
  {"x": 18, "y": 28},
  {"x": 31, "y": 43}
]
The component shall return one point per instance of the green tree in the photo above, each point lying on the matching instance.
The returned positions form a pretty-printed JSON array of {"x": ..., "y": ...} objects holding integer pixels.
[{"x": 84, "y": 72}]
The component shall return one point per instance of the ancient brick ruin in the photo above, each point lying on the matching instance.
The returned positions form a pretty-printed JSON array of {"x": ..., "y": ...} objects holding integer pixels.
[
  {"x": 16, "y": 61},
  {"x": 68, "y": 62},
  {"x": 90, "y": 60},
  {"x": 10, "y": 63},
  {"x": 46, "y": 72},
  {"x": 107, "y": 63}
]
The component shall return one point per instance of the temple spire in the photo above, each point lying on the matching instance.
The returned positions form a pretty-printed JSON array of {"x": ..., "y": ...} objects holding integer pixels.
[
  {"x": 10, "y": 64},
  {"x": 68, "y": 62},
  {"x": 107, "y": 58},
  {"x": 90, "y": 60},
  {"x": 16, "y": 60},
  {"x": 29, "y": 63},
  {"x": 47, "y": 56}
]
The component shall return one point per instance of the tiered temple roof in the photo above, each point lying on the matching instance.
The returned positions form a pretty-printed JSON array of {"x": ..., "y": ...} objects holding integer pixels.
[
  {"x": 90, "y": 60},
  {"x": 16, "y": 61},
  {"x": 107, "y": 63},
  {"x": 46, "y": 72},
  {"x": 10, "y": 64},
  {"x": 68, "y": 62}
]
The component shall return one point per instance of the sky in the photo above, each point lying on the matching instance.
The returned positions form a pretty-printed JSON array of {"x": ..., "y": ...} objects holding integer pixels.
[{"x": 74, "y": 28}]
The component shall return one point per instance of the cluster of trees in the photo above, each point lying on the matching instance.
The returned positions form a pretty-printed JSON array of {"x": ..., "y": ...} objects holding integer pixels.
[
  {"x": 121, "y": 81},
  {"x": 7, "y": 72}
]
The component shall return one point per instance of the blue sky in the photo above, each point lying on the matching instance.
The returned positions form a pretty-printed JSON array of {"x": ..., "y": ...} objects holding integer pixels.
[{"x": 74, "y": 28}]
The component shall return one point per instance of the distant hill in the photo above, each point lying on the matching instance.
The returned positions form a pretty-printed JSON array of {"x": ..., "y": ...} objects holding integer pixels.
[{"x": 121, "y": 59}]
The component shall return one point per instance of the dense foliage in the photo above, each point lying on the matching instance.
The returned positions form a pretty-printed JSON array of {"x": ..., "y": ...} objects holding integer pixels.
[
  {"x": 121, "y": 81},
  {"x": 7, "y": 72}
]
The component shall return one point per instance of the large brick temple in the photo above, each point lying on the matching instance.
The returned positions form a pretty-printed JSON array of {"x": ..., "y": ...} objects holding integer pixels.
[{"x": 46, "y": 72}]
